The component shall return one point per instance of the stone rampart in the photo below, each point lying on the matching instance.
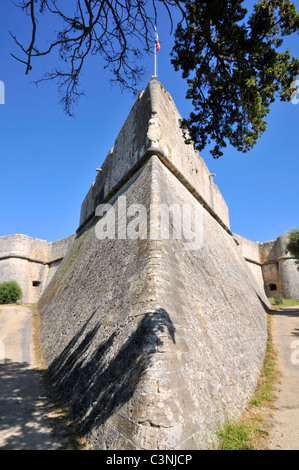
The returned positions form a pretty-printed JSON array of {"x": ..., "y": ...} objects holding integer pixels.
[
  {"x": 153, "y": 127},
  {"x": 165, "y": 133},
  {"x": 22, "y": 246},
  {"x": 30, "y": 262},
  {"x": 288, "y": 272},
  {"x": 272, "y": 266},
  {"x": 251, "y": 252},
  {"x": 280, "y": 272},
  {"x": 153, "y": 343}
]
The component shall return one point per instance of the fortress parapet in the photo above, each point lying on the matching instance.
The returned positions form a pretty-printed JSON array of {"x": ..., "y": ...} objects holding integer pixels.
[
  {"x": 150, "y": 344},
  {"x": 30, "y": 262},
  {"x": 274, "y": 268},
  {"x": 153, "y": 128}
]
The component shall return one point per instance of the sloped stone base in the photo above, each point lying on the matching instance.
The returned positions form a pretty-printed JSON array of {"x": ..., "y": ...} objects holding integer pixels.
[{"x": 153, "y": 345}]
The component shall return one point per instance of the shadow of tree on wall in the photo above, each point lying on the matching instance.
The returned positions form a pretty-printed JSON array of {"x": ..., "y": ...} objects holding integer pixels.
[{"x": 96, "y": 385}]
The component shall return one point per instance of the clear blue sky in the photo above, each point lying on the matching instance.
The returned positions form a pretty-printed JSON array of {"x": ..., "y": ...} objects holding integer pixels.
[{"x": 48, "y": 159}]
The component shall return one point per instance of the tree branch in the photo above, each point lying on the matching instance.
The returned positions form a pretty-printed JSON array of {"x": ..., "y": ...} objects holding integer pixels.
[{"x": 112, "y": 28}]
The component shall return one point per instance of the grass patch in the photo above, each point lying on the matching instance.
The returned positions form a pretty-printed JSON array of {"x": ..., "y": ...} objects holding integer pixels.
[
  {"x": 36, "y": 325},
  {"x": 285, "y": 302},
  {"x": 249, "y": 432},
  {"x": 240, "y": 436},
  {"x": 59, "y": 413},
  {"x": 264, "y": 394},
  {"x": 234, "y": 437}
]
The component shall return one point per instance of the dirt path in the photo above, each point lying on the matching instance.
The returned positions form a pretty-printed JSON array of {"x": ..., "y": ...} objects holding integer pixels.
[
  {"x": 284, "y": 431},
  {"x": 25, "y": 419}
]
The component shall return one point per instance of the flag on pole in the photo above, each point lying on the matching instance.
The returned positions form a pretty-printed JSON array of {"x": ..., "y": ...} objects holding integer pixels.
[
  {"x": 157, "y": 48},
  {"x": 157, "y": 43}
]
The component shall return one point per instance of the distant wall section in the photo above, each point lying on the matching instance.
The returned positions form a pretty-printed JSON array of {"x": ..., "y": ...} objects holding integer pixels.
[
  {"x": 280, "y": 271},
  {"x": 251, "y": 252},
  {"x": 271, "y": 265},
  {"x": 30, "y": 262}
]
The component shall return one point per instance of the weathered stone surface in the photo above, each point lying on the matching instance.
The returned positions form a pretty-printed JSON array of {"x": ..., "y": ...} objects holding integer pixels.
[
  {"x": 280, "y": 272},
  {"x": 150, "y": 344},
  {"x": 288, "y": 272},
  {"x": 251, "y": 252},
  {"x": 151, "y": 341},
  {"x": 274, "y": 269},
  {"x": 153, "y": 126},
  {"x": 30, "y": 262}
]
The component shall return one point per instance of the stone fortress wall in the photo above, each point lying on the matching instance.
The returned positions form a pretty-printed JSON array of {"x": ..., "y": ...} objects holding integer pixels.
[
  {"x": 30, "y": 262},
  {"x": 267, "y": 261},
  {"x": 154, "y": 135},
  {"x": 152, "y": 346},
  {"x": 273, "y": 267},
  {"x": 33, "y": 263}
]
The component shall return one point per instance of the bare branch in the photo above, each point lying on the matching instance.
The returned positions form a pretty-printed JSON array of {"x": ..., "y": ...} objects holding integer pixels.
[{"x": 119, "y": 30}]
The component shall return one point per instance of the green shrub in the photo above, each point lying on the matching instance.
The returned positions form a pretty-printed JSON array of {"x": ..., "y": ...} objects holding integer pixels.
[
  {"x": 278, "y": 299},
  {"x": 293, "y": 244},
  {"x": 10, "y": 292}
]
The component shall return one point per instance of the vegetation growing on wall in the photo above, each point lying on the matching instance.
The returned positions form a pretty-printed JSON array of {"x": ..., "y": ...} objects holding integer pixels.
[{"x": 293, "y": 244}]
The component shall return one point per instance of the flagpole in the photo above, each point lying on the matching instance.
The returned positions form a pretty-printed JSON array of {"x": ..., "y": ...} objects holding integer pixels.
[
  {"x": 155, "y": 68},
  {"x": 155, "y": 54}
]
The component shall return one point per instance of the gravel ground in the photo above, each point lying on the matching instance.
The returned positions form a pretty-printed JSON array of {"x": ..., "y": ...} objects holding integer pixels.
[{"x": 284, "y": 430}]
